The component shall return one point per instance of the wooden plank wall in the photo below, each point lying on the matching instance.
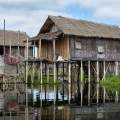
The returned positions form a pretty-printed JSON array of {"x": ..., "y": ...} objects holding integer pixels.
[
  {"x": 62, "y": 48},
  {"x": 89, "y": 48}
]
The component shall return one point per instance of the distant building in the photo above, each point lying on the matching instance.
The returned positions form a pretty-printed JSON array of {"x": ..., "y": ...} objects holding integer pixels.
[
  {"x": 12, "y": 49},
  {"x": 13, "y": 39}
]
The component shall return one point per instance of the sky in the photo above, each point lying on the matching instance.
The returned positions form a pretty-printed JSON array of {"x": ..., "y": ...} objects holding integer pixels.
[{"x": 29, "y": 15}]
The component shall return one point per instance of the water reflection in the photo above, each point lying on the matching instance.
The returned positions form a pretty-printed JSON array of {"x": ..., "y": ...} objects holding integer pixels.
[
  {"x": 106, "y": 112},
  {"x": 48, "y": 95}
]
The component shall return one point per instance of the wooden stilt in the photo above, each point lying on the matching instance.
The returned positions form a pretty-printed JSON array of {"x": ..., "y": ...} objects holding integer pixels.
[
  {"x": 81, "y": 82},
  {"x": 41, "y": 82},
  {"x": 116, "y": 73},
  {"x": 33, "y": 74},
  {"x": 26, "y": 81},
  {"x": 89, "y": 78},
  {"x": 54, "y": 64},
  {"x": 63, "y": 83},
  {"x": 69, "y": 82},
  {"x": 97, "y": 68},
  {"x": 104, "y": 75},
  {"x": 48, "y": 78}
]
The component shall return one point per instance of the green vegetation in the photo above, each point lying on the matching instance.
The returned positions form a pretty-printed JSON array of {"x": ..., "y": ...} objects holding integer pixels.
[
  {"x": 35, "y": 81},
  {"x": 112, "y": 83}
]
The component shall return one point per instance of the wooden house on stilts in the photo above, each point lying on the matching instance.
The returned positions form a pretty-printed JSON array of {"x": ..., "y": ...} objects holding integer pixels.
[{"x": 92, "y": 49}]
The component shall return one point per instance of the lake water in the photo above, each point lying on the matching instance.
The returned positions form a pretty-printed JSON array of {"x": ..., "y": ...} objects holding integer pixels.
[{"x": 103, "y": 112}]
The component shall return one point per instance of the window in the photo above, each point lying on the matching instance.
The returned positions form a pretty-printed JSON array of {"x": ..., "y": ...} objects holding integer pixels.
[
  {"x": 100, "y": 49},
  {"x": 78, "y": 44}
]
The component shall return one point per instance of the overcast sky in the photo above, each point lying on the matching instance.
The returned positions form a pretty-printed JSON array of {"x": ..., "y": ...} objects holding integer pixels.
[{"x": 29, "y": 15}]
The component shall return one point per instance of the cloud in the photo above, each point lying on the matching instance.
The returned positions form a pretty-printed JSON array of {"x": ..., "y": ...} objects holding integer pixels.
[
  {"x": 30, "y": 21},
  {"x": 103, "y": 8},
  {"x": 29, "y": 15}
]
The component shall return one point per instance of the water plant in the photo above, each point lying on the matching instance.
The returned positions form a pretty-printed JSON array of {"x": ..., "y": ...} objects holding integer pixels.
[{"x": 111, "y": 83}]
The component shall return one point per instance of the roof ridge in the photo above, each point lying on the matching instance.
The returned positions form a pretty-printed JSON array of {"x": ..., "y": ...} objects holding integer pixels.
[
  {"x": 88, "y": 21},
  {"x": 7, "y": 30}
]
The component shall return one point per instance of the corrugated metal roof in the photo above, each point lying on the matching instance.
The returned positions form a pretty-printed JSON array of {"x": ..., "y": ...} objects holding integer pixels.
[
  {"x": 13, "y": 37},
  {"x": 85, "y": 28}
]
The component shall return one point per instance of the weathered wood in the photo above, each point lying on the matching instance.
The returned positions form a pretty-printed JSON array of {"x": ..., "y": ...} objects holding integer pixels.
[{"x": 89, "y": 49}]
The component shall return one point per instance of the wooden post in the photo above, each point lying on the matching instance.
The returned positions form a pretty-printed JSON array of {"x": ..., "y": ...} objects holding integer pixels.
[
  {"x": 18, "y": 52},
  {"x": 40, "y": 41},
  {"x": 33, "y": 74},
  {"x": 10, "y": 49},
  {"x": 34, "y": 49},
  {"x": 18, "y": 43},
  {"x": 4, "y": 39},
  {"x": 26, "y": 81},
  {"x": 63, "y": 82},
  {"x": 81, "y": 82},
  {"x": 48, "y": 77},
  {"x": 41, "y": 81},
  {"x": 54, "y": 62},
  {"x": 116, "y": 73},
  {"x": 104, "y": 75},
  {"x": 97, "y": 68},
  {"x": 69, "y": 82},
  {"x": 89, "y": 77}
]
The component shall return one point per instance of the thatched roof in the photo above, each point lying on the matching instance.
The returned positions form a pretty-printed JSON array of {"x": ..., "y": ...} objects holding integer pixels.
[
  {"x": 13, "y": 37},
  {"x": 81, "y": 28}
]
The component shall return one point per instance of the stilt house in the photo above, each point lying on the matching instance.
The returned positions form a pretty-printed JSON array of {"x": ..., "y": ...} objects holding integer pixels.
[{"x": 77, "y": 39}]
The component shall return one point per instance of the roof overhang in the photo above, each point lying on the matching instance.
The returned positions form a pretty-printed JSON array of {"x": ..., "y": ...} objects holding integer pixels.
[{"x": 46, "y": 36}]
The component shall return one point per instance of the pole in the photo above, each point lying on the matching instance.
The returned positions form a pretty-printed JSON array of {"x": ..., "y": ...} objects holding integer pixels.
[
  {"x": 4, "y": 38},
  {"x": 104, "y": 74},
  {"x": 81, "y": 82},
  {"x": 26, "y": 80},
  {"x": 97, "y": 67},
  {"x": 4, "y": 69},
  {"x": 69, "y": 81},
  {"x": 54, "y": 62},
  {"x": 89, "y": 77},
  {"x": 18, "y": 43},
  {"x": 116, "y": 73},
  {"x": 10, "y": 49}
]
